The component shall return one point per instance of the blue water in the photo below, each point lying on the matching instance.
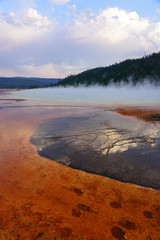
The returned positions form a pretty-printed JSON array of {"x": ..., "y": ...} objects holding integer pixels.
[{"x": 122, "y": 95}]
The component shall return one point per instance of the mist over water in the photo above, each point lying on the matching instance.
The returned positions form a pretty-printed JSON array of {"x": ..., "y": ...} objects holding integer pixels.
[
  {"x": 145, "y": 94},
  {"x": 98, "y": 141}
]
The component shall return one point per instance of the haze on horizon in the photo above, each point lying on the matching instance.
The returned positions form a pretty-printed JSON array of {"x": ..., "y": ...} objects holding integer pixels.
[{"x": 56, "y": 38}]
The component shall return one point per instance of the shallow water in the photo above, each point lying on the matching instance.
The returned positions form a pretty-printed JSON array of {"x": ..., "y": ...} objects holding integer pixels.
[
  {"x": 144, "y": 95},
  {"x": 104, "y": 143}
]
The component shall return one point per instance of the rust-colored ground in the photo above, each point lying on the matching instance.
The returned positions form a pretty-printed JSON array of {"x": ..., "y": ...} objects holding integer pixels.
[
  {"x": 40, "y": 199},
  {"x": 147, "y": 114}
]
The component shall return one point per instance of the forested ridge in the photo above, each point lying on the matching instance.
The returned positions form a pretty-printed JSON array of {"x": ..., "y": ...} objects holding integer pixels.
[{"x": 129, "y": 71}]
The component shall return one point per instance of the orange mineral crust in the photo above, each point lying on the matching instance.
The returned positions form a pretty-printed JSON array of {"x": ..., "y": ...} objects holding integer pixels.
[
  {"x": 146, "y": 114},
  {"x": 41, "y": 199}
]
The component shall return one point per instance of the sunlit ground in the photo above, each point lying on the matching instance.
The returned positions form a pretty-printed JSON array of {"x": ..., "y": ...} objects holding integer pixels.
[{"x": 42, "y": 199}]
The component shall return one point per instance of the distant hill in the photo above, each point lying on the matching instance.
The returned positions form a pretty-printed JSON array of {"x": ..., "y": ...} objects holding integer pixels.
[
  {"x": 129, "y": 71},
  {"x": 22, "y": 82}
]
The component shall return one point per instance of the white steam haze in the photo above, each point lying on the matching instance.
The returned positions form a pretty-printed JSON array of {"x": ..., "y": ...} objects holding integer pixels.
[
  {"x": 142, "y": 95},
  {"x": 33, "y": 44}
]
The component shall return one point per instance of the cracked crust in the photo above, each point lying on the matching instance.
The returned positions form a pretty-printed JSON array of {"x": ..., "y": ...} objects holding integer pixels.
[{"x": 103, "y": 143}]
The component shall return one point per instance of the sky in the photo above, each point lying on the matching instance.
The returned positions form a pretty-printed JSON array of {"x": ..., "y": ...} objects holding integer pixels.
[{"x": 57, "y": 38}]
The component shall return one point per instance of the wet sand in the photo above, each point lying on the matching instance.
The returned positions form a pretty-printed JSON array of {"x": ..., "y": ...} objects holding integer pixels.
[{"x": 41, "y": 199}]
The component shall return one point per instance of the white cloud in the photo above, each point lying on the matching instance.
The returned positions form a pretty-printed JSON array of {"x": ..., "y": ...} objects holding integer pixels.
[
  {"x": 113, "y": 26},
  {"x": 59, "y": 2},
  {"x": 47, "y": 70},
  {"x": 119, "y": 33},
  {"x": 87, "y": 41},
  {"x": 34, "y": 19},
  {"x": 16, "y": 32}
]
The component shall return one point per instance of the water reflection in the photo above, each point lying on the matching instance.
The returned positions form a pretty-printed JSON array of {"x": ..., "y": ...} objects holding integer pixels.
[{"x": 104, "y": 143}]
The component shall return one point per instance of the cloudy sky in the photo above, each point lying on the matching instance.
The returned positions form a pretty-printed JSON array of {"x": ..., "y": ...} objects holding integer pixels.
[{"x": 56, "y": 38}]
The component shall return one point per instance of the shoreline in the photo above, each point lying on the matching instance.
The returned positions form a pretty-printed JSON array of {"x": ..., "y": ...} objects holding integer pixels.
[{"x": 43, "y": 199}]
